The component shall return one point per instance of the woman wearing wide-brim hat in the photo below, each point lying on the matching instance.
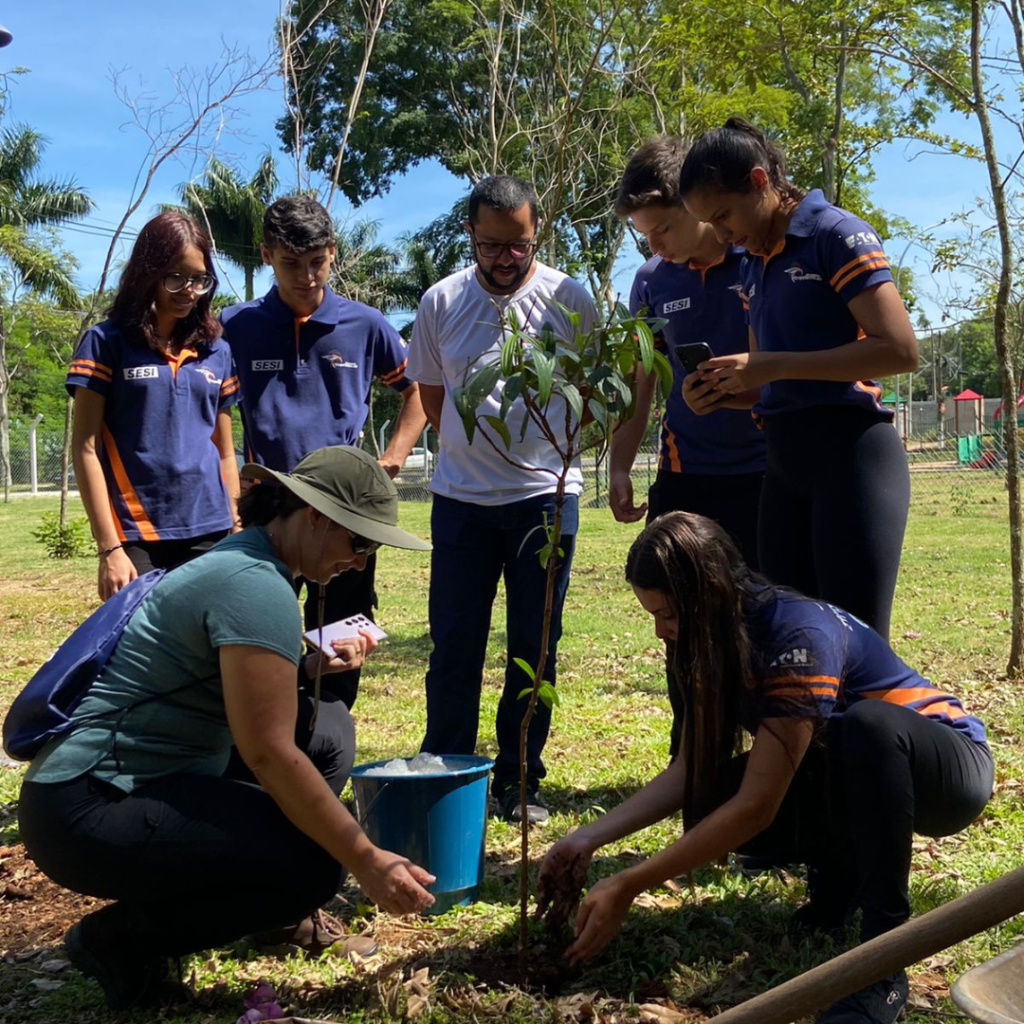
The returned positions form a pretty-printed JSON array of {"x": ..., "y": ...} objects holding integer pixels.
[{"x": 141, "y": 803}]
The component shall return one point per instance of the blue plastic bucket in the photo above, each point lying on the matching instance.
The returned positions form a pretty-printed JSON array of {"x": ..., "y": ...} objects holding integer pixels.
[{"x": 438, "y": 821}]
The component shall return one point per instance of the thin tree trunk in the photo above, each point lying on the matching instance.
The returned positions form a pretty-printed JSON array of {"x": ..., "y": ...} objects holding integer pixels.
[
  {"x": 65, "y": 458},
  {"x": 249, "y": 275},
  {"x": 1015, "y": 664},
  {"x": 524, "y": 727}
]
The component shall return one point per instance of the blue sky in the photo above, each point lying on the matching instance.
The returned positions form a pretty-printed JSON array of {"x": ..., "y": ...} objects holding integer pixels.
[{"x": 71, "y": 48}]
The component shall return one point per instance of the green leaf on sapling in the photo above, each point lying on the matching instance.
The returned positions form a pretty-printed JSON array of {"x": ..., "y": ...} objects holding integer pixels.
[
  {"x": 482, "y": 383},
  {"x": 508, "y": 355},
  {"x": 598, "y": 411},
  {"x": 663, "y": 368},
  {"x": 572, "y": 395},
  {"x": 501, "y": 429},
  {"x": 545, "y": 367},
  {"x": 527, "y": 668},
  {"x": 549, "y": 695},
  {"x": 646, "y": 342},
  {"x": 547, "y": 536}
]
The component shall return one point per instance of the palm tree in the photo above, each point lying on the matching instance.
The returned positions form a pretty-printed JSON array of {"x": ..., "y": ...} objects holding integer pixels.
[
  {"x": 231, "y": 212},
  {"x": 366, "y": 270},
  {"x": 27, "y": 202}
]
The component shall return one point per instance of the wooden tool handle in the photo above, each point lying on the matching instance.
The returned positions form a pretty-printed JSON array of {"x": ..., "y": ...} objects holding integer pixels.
[{"x": 988, "y": 905}]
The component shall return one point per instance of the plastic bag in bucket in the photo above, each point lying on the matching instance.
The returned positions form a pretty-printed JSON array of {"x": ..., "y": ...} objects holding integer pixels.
[{"x": 438, "y": 821}]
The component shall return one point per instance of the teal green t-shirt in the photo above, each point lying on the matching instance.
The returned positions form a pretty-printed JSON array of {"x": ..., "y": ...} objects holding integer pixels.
[{"x": 239, "y": 592}]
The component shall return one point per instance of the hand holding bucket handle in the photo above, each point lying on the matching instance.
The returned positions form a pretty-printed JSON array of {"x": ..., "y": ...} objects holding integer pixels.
[{"x": 394, "y": 883}]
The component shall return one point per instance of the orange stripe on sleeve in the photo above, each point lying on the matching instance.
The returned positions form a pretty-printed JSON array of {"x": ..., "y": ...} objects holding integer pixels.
[
  {"x": 229, "y": 387},
  {"x": 87, "y": 368},
  {"x": 846, "y": 267},
  {"x": 863, "y": 269},
  {"x": 394, "y": 375},
  {"x": 802, "y": 691},
  {"x": 131, "y": 499}
]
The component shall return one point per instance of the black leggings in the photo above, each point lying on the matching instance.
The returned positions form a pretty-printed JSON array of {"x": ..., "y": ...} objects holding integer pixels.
[
  {"x": 146, "y": 555},
  {"x": 194, "y": 862},
  {"x": 880, "y": 773},
  {"x": 834, "y": 508}
]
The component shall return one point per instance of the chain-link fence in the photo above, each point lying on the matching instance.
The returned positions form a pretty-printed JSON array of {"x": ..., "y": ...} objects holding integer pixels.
[{"x": 953, "y": 461}]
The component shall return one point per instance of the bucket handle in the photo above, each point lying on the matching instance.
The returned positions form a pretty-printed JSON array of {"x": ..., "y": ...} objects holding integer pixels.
[{"x": 361, "y": 820}]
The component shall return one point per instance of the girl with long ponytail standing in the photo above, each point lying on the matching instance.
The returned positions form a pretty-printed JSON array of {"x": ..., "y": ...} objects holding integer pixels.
[{"x": 826, "y": 322}]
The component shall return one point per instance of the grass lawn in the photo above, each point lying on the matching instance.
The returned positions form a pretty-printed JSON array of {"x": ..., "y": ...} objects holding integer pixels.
[{"x": 695, "y": 948}]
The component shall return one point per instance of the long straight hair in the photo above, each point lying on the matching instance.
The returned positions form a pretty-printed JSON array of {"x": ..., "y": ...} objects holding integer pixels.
[
  {"x": 161, "y": 243},
  {"x": 712, "y": 662}
]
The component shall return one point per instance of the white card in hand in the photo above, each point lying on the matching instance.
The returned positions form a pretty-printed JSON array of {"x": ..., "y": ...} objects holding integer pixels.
[{"x": 342, "y": 629}]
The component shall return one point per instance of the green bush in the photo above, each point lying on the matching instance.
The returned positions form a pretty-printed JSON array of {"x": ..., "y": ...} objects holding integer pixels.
[{"x": 68, "y": 541}]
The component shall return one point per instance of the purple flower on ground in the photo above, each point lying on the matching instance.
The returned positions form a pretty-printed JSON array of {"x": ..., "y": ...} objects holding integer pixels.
[{"x": 261, "y": 1004}]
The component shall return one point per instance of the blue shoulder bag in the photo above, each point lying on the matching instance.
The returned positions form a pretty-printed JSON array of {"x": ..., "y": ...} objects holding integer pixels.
[{"x": 44, "y": 707}]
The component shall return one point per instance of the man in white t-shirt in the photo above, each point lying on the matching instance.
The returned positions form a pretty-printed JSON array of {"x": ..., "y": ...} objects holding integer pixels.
[{"x": 486, "y": 505}]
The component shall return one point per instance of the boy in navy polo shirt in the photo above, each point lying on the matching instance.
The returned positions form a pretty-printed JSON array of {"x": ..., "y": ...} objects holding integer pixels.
[
  {"x": 713, "y": 466},
  {"x": 306, "y": 358}
]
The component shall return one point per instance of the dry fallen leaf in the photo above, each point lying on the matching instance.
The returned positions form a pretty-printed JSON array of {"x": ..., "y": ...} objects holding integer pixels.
[
  {"x": 655, "y": 1013},
  {"x": 415, "y": 1005}
]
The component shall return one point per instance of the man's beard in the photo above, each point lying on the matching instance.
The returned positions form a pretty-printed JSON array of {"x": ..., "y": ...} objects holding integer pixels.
[{"x": 513, "y": 285}]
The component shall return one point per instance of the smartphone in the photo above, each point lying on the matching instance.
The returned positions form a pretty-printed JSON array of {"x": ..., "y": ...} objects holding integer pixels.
[{"x": 692, "y": 355}]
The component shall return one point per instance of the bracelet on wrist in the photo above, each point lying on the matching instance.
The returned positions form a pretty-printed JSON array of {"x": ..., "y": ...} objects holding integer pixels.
[{"x": 103, "y": 552}]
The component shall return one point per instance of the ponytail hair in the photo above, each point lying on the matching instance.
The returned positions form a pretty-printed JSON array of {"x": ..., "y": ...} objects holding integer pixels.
[{"x": 723, "y": 158}]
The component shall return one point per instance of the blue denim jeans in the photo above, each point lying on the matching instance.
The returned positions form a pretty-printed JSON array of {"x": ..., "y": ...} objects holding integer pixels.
[{"x": 474, "y": 545}]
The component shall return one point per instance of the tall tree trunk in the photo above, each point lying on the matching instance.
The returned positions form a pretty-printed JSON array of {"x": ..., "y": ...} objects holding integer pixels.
[
  {"x": 249, "y": 275},
  {"x": 1015, "y": 664}
]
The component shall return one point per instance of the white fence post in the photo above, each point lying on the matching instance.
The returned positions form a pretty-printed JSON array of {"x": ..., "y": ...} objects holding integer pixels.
[{"x": 33, "y": 471}]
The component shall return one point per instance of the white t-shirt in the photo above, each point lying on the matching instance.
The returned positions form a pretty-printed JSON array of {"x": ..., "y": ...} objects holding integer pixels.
[{"x": 458, "y": 329}]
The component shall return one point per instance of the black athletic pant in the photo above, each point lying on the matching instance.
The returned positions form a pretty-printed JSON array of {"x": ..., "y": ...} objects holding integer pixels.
[
  {"x": 193, "y": 861},
  {"x": 732, "y": 502},
  {"x": 834, "y": 508},
  {"x": 169, "y": 554},
  {"x": 349, "y": 593},
  {"x": 880, "y": 773}
]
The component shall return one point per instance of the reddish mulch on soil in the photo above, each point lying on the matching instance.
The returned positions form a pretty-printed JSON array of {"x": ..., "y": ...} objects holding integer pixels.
[{"x": 34, "y": 912}]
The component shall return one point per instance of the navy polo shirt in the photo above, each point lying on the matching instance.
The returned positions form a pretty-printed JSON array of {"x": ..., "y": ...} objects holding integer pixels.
[
  {"x": 798, "y": 298},
  {"x": 306, "y": 380},
  {"x": 158, "y": 457},
  {"x": 700, "y": 304},
  {"x": 821, "y": 660}
]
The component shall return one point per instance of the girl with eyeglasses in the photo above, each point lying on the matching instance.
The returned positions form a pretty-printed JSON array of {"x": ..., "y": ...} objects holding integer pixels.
[{"x": 153, "y": 387}]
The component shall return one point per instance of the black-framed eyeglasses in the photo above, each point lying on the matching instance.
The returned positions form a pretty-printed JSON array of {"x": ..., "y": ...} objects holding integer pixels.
[
  {"x": 362, "y": 546},
  {"x": 200, "y": 283},
  {"x": 492, "y": 250}
]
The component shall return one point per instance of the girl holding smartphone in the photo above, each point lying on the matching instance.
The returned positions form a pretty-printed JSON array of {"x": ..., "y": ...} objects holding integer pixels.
[{"x": 826, "y": 321}]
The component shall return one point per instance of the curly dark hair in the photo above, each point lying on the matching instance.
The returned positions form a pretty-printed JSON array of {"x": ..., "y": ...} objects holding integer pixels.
[{"x": 161, "y": 243}]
